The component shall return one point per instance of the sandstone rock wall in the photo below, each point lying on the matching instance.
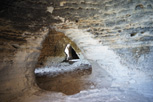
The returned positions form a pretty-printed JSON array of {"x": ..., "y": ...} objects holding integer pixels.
[
  {"x": 18, "y": 60},
  {"x": 20, "y": 45},
  {"x": 124, "y": 25}
]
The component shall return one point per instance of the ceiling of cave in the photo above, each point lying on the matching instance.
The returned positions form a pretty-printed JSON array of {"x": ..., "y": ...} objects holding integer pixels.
[{"x": 115, "y": 22}]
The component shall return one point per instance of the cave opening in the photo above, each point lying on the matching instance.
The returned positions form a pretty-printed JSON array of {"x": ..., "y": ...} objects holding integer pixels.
[
  {"x": 61, "y": 67},
  {"x": 70, "y": 53}
]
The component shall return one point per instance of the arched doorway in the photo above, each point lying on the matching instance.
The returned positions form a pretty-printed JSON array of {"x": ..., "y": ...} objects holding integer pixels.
[{"x": 59, "y": 67}]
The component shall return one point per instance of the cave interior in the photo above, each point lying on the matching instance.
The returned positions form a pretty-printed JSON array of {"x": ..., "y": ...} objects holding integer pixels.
[{"x": 76, "y": 50}]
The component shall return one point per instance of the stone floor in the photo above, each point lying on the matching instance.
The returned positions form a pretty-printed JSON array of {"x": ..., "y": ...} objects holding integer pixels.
[{"x": 81, "y": 84}]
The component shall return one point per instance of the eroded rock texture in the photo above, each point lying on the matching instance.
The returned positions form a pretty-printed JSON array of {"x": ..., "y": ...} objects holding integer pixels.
[{"x": 124, "y": 25}]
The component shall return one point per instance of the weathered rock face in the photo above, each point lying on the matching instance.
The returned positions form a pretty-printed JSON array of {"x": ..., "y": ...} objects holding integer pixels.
[
  {"x": 20, "y": 48},
  {"x": 124, "y": 25},
  {"x": 17, "y": 64}
]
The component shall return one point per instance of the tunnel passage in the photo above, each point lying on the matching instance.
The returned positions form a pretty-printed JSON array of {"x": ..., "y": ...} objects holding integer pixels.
[
  {"x": 60, "y": 67},
  {"x": 53, "y": 49}
]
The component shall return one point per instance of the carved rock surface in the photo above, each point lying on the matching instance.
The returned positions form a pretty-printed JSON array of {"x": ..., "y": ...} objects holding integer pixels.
[{"x": 126, "y": 26}]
